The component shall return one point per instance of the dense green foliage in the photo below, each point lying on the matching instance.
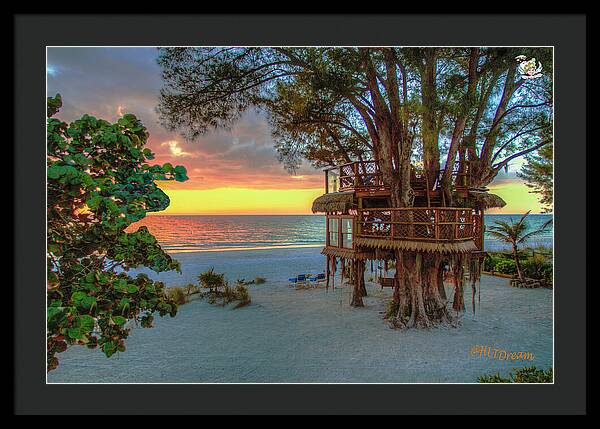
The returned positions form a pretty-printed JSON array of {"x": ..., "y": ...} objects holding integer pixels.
[
  {"x": 506, "y": 266},
  {"x": 528, "y": 374},
  {"x": 538, "y": 175},
  {"x": 536, "y": 263},
  {"x": 515, "y": 233},
  {"x": 99, "y": 184},
  {"x": 333, "y": 104},
  {"x": 538, "y": 267}
]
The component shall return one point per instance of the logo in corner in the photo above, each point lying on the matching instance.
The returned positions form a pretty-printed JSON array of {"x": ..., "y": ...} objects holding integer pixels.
[{"x": 529, "y": 69}]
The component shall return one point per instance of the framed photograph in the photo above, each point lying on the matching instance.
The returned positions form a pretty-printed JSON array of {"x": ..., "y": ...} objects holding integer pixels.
[{"x": 249, "y": 218}]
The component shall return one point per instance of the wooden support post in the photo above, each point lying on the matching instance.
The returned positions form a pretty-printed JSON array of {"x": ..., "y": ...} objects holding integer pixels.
[
  {"x": 327, "y": 274},
  {"x": 327, "y": 230}
]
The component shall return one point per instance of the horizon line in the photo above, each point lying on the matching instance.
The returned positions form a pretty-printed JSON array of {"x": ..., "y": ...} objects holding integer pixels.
[{"x": 289, "y": 214}]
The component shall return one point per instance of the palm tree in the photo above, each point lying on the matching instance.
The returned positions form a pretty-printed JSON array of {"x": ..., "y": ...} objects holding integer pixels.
[{"x": 515, "y": 233}]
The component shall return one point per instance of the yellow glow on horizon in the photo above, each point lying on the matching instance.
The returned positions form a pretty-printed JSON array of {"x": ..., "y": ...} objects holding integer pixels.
[
  {"x": 241, "y": 201},
  {"x": 518, "y": 198},
  {"x": 234, "y": 200}
]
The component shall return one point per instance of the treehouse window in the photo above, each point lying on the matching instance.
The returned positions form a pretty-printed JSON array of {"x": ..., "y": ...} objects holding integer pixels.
[
  {"x": 333, "y": 181},
  {"x": 333, "y": 232},
  {"x": 347, "y": 233}
]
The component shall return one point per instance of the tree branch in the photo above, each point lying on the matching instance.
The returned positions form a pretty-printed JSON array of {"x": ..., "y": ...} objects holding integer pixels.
[{"x": 499, "y": 166}]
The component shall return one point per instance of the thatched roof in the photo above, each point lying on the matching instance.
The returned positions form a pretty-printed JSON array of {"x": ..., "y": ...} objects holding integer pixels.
[
  {"x": 486, "y": 200},
  {"x": 346, "y": 253},
  {"x": 418, "y": 246},
  {"x": 333, "y": 202},
  {"x": 340, "y": 253}
]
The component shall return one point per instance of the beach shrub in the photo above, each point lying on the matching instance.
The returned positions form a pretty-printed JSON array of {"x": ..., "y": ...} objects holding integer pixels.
[
  {"x": 211, "y": 280},
  {"x": 221, "y": 293},
  {"x": 177, "y": 294},
  {"x": 181, "y": 294},
  {"x": 99, "y": 183},
  {"x": 506, "y": 266},
  {"x": 190, "y": 289},
  {"x": 536, "y": 263},
  {"x": 528, "y": 374},
  {"x": 546, "y": 274},
  {"x": 242, "y": 296},
  {"x": 257, "y": 280},
  {"x": 228, "y": 294},
  {"x": 538, "y": 267},
  {"x": 491, "y": 260},
  {"x": 391, "y": 309}
]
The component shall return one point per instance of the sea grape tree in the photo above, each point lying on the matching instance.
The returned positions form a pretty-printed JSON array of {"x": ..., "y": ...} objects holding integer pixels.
[{"x": 99, "y": 183}]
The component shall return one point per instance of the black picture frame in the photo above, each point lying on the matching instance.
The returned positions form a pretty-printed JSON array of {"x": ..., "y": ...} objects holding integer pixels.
[{"x": 567, "y": 33}]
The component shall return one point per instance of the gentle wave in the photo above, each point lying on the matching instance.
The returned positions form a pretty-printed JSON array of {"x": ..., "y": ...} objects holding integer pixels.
[{"x": 227, "y": 249}]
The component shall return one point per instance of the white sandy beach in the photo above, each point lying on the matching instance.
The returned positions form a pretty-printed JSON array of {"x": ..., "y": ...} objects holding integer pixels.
[{"x": 290, "y": 335}]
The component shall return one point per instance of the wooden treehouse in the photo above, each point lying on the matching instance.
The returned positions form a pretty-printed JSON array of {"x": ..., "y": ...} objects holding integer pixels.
[{"x": 361, "y": 225}]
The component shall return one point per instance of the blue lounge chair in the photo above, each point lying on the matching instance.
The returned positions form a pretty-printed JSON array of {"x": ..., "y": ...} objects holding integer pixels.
[
  {"x": 292, "y": 281},
  {"x": 301, "y": 280}
]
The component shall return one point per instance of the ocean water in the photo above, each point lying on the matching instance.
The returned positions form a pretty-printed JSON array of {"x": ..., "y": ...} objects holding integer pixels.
[
  {"x": 198, "y": 233},
  {"x": 534, "y": 221}
]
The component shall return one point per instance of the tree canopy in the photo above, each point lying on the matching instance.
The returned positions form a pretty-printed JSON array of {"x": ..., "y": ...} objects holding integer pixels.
[
  {"x": 395, "y": 105},
  {"x": 538, "y": 175},
  {"x": 465, "y": 110},
  {"x": 99, "y": 183}
]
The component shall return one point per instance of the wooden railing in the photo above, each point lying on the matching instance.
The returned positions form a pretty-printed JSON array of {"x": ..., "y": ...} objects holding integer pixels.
[
  {"x": 354, "y": 175},
  {"x": 366, "y": 175},
  {"x": 418, "y": 223},
  {"x": 360, "y": 175},
  {"x": 461, "y": 175}
]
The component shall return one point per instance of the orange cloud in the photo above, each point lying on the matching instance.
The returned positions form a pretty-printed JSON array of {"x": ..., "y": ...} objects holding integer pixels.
[{"x": 175, "y": 149}]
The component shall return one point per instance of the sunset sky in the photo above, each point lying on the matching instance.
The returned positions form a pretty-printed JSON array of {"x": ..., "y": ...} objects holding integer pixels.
[{"x": 231, "y": 172}]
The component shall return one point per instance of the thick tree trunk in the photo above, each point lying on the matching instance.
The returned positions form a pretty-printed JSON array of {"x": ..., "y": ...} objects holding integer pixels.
[
  {"x": 429, "y": 126},
  {"x": 417, "y": 293},
  {"x": 358, "y": 280},
  {"x": 361, "y": 285},
  {"x": 440, "y": 280}
]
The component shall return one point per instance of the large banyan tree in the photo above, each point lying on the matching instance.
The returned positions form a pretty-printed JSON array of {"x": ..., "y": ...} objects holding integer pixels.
[{"x": 444, "y": 109}]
